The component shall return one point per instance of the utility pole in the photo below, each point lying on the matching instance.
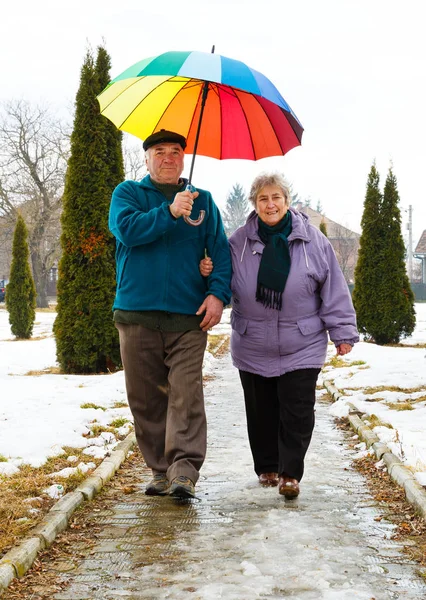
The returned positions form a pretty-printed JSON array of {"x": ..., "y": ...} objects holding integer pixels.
[{"x": 410, "y": 243}]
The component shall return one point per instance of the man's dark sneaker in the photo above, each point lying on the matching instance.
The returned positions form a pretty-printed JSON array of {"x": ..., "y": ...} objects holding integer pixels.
[
  {"x": 182, "y": 487},
  {"x": 158, "y": 486}
]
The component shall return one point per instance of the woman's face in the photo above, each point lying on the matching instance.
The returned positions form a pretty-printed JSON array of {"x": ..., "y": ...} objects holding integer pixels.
[{"x": 271, "y": 204}]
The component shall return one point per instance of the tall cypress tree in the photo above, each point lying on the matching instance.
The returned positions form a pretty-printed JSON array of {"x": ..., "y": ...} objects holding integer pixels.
[
  {"x": 369, "y": 268},
  {"x": 236, "y": 211},
  {"x": 114, "y": 161},
  {"x": 21, "y": 292},
  {"x": 383, "y": 299},
  {"x": 396, "y": 317},
  {"x": 85, "y": 338},
  {"x": 114, "y": 172}
]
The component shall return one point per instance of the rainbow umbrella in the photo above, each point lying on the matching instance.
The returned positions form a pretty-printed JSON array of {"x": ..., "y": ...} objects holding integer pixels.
[{"x": 224, "y": 108}]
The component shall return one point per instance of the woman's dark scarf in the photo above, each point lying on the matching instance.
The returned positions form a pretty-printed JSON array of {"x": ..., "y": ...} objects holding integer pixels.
[{"x": 275, "y": 262}]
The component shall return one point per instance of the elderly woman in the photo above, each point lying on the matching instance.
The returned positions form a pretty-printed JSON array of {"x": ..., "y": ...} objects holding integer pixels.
[{"x": 288, "y": 292}]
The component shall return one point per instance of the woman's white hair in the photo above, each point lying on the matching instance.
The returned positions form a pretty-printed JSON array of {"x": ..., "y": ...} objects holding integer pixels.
[{"x": 265, "y": 179}]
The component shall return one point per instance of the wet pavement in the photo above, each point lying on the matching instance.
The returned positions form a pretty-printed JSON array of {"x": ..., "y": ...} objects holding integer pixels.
[{"x": 237, "y": 540}]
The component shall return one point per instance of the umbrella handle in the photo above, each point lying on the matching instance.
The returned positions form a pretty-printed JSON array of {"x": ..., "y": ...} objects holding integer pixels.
[{"x": 200, "y": 219}]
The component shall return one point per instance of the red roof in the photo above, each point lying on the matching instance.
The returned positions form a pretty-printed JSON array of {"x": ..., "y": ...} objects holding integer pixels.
[{"x": 421, "y": 246}]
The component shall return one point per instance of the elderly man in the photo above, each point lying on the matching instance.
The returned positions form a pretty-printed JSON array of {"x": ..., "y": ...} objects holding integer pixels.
[{"x": 163, "y": 309}]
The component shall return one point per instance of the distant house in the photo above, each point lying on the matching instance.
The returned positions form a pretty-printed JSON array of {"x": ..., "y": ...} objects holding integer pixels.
[
  {"x": 344, "y": 241},
  {"x": 420, "y": 253}
]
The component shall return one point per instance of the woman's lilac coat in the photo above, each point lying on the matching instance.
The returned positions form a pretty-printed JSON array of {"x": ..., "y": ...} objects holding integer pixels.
[{"x": 316, "y": 299}]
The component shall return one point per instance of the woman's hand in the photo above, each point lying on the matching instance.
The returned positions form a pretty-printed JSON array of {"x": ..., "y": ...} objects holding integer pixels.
[
  {"x": 206, "y": 266},
  {"x": 343, "y": 349}
]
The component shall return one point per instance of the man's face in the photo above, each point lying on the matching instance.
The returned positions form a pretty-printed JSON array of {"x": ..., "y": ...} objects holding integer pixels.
[{"x": 165, "y": 162}]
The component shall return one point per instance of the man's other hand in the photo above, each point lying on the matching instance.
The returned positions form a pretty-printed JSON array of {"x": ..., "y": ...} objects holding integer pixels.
[{"x": 213, "y": 307}]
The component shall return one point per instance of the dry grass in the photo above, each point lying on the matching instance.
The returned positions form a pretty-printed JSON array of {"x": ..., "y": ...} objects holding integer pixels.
[
  {"x": 120, "y": 404},
  {"x": 47, "y": 576},
  {"x": 394, "y": 388},
  {"x": 387, "y": 388},
  {"x": 23, "y": 503},
  {"x": 117, "y": 423},
  {"x": 97, "y": 429},
  {"x": 215, "y": 344},
  {"x": 405, "y": 405},
  {"x": 326, "y": 397},
  {"x": 46, "y": 371},
  {"x": 410, "y": 527},
  {"x": 374, "y": 421},
  {"x": 92, "y": 405},
  {"x": 337, "y": 362},
  {"x": 224, "y": 347},
  {"x": 394, "y": 507},
  {"x": 376, "y": 399}
]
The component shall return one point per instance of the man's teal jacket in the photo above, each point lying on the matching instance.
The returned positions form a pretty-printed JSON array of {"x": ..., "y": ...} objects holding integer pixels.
[{"x": 158, "y": 256}]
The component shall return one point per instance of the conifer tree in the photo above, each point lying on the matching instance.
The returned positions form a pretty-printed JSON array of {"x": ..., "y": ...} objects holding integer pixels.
[
  {"x": 396, "y": 315},
  {"x": 369, "y": 268},
  {"x": 236, "y": 211},
  {"x": 383, "y": 299},
  {"x": 114, "y": 161},
  {"x": 85, "y": 337},
  {"x": 114, "y": 166},
  {"x": 21, "y": 292},
  {"x": 323, "y": 227}
]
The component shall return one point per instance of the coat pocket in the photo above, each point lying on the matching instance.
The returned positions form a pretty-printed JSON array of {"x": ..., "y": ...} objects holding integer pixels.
[
  {"x": 309, "y": 325},
  {"x": 238, "y": 324}
]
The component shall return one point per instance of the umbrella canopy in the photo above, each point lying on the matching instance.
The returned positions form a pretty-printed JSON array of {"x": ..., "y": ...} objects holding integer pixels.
[{"x": 244, "y": 115}]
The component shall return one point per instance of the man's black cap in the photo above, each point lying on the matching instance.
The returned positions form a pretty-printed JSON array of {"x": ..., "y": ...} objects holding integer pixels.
[{"x": 164, "y": 136}]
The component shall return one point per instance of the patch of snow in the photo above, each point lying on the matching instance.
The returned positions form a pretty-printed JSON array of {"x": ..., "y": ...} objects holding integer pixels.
[{"x": 55, "y": 491}]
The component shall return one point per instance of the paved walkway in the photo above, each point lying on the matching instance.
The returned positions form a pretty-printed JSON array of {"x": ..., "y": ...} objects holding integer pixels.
[{"x": 240, "y": 541}]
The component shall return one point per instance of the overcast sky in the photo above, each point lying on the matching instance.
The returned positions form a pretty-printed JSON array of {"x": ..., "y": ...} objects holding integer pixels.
[{"x": 353, "y": 71}]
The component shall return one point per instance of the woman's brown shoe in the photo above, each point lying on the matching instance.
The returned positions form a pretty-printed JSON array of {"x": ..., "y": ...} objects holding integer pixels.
[
  {"x": 288, "y": 487},
  {"x": 268, "y": 479}
]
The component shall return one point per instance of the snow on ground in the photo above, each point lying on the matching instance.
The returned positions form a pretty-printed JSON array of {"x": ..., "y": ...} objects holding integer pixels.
[
  {"x": 397, "y": 372},
  {"x": 39, "y": 414}
]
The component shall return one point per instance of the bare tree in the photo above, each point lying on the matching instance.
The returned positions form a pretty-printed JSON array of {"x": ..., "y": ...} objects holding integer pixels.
[
  {"x": 134, "y": 161},
  {"x": 33, "y": 158},
  {"x": 345, "y": 243},
  {"x": 6, "y": 237}
]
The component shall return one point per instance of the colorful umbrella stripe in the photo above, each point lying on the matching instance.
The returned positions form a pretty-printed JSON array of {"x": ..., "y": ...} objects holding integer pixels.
[
  {"x": 208, "y": 67},
  {"x": 244, "y": 117}
]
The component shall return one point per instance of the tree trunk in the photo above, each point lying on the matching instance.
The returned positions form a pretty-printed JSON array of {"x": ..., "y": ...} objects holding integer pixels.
[{"x": 40, "y": 280}]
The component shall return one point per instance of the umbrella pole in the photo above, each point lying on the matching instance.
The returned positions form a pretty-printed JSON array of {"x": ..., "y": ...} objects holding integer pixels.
[{"x": 203, "y": 103}]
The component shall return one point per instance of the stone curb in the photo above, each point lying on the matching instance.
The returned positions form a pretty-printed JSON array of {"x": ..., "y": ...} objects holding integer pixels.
[
  {"x": 19, "y": 559},
  {"x": 414, "y": 492}
]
